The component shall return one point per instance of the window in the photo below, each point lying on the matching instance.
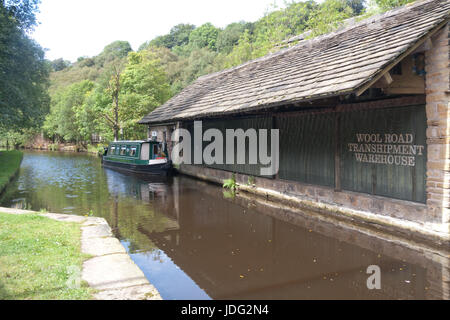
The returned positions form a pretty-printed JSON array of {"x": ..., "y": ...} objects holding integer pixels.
[
  {"x": 133, "y": 152},
  {"x": 156, "y": 151},
  {"x": 112, "y": 151},
  {"x": 123, "y": 151}
]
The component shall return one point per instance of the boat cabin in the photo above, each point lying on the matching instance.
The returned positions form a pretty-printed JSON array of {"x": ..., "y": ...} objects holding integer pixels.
[{"x": 137, "y": 152}]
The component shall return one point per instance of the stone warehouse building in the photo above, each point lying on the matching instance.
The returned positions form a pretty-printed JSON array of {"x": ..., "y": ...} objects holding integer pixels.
[{"x": 363, "y": 117}]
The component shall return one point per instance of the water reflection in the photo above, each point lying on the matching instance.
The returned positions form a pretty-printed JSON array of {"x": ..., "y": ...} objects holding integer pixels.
[{"x": 192, "y": 243}]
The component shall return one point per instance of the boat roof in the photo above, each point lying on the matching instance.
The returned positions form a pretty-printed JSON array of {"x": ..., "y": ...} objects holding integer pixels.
[{"x": 132, "y": 141}]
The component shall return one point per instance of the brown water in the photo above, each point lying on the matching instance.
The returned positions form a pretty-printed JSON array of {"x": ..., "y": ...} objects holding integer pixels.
[{"x": 192, "y": 242}]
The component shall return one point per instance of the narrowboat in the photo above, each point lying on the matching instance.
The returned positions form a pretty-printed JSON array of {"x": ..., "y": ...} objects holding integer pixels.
[{"x": 149, "y": 157}]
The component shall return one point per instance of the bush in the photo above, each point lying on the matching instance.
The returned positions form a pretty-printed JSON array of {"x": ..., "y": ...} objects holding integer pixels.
[{"x": 53, "y": 147}]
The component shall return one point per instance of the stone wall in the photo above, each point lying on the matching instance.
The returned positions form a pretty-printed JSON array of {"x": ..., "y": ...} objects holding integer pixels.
[{"x": 438, "y": 121}]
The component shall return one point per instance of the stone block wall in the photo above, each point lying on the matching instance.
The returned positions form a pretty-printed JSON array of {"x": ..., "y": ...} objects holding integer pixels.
[{"x": 437, "y": 91}]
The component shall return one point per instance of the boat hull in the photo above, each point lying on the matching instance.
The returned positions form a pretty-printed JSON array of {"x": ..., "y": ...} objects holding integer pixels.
[{"x": 151, "y": 169}]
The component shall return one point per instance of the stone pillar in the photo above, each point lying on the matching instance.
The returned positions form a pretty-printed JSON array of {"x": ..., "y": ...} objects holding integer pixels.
[{"x": 438, "y": 131}]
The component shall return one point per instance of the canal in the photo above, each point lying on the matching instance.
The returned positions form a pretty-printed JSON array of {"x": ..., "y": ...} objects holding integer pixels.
[{"x": 194, "y": 242}]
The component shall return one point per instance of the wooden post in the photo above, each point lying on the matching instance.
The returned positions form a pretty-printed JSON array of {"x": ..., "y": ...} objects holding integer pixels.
[
  {"x": 274, "y": 126},
  {"x": 337, "y": 152}
]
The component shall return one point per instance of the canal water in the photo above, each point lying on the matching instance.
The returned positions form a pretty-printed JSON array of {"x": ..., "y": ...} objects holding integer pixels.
[{"x": 194, "y": 242}]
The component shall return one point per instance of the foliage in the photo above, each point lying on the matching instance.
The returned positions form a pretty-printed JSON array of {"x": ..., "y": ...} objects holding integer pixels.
[
  {"x": 39, "y": 257},
  {"x": 329, "y": 15},
  {"x": 178, "y": 36},
  {"x": 230, "y": 183},
  {"x": 69, "y": 120},
  {"x": 114, "y": 51},
  {"x": 144, "y": 86},
  {"x": 53, "y": 147},
  {"x": 230, "y": 36},
  {"x": 204, "y": 36},
  {"x": 390, "y": 4},
  {"x": 18, "y": 137},
  {"x": 23, "y": 70},
  {"x": 60, "y": 64}
]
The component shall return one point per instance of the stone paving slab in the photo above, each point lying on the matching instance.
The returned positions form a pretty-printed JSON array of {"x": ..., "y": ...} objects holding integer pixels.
[
  {"x": 101, "y": 246},
  {"x": 96, "y": 231},
  {"x": 112, "y": 272},
  {"x": 144, "y": 292},
  {"x": 94, "y": 221},
  {"x": 65, "y": 217}
]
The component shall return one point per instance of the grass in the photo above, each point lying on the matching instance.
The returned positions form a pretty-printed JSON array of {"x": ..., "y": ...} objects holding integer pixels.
[
  {"x": 40, "y": 258},
  {"x": 9, "y": 164}
]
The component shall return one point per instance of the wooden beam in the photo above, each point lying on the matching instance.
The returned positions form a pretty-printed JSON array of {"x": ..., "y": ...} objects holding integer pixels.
[
  {"x": 383, "y": 103},
  {"x": 387, "y": 77},
  {"x": 337, "y": 152},
  {"x": 400, "y": 57}
]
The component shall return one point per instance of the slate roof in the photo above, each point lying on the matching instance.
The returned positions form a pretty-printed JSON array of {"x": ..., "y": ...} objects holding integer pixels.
[{"x": 338, "y": 63}]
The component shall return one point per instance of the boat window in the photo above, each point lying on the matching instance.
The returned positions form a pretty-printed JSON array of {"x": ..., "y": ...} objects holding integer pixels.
[
  {"x": 155, "y": 151},
  {"x": 123, "y": 150},
  {"x": 113, "y": 150},
  {"x": 133, "y": 152}
]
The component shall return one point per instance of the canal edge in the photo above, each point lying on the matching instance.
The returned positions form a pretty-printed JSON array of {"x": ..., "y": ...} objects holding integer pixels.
[{"x": 110, "y": 271}]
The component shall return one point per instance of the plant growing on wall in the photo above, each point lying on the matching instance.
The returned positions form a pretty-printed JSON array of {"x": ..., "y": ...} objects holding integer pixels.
[{"x": 230, "y": 183}]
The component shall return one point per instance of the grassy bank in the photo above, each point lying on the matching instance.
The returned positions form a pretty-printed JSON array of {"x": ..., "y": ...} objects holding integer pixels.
[
  {"x": 40, "y": 259},
  {"x": 9, "y": 164}
]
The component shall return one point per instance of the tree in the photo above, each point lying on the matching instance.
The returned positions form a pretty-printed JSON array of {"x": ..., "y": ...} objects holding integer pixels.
[
  {"x": 23, "y": 12},
  {"x": 23, "y": 70},
  {"x": 390, "y": 4},
  {"x": 114, "y": 91},
  {"x": 204, "y": 36},
  {"x": 230, "y": 36},
  {"x": 144, "y": 86},
  {"x": 113, "y": 51},
  {"x": 329, "y": 15},
  {"x": 68, "y": 118},
  {"x": 60, "y": 64}
]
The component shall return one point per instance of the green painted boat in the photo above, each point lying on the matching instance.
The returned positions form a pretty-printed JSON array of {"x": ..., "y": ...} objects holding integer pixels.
[{"x": 148, "y": 157}]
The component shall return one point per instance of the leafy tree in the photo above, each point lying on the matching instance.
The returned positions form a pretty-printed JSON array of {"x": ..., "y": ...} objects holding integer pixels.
[
  {"x": 68, "y": 119},
  {"x": 60, "y": 64},
  {"x": 128, "y": 92},
  {"x": 230, "y": 36},
  {"x": 22, "y": 12},
  {"x": 144, "y": 87},
  {"x": 204, "y": 36},
  {"x": 23, "y": 70},
  {"x": 357, "y": 6},
  {"x": 390, "y": 4},
  {"x": 179, "y": 35},
  {"x": 329, "y": 15},
  {"x": 113, "y": 51}
]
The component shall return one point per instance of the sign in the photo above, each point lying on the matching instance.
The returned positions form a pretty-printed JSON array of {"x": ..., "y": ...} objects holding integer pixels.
[{"x": 396, "y": 149}]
